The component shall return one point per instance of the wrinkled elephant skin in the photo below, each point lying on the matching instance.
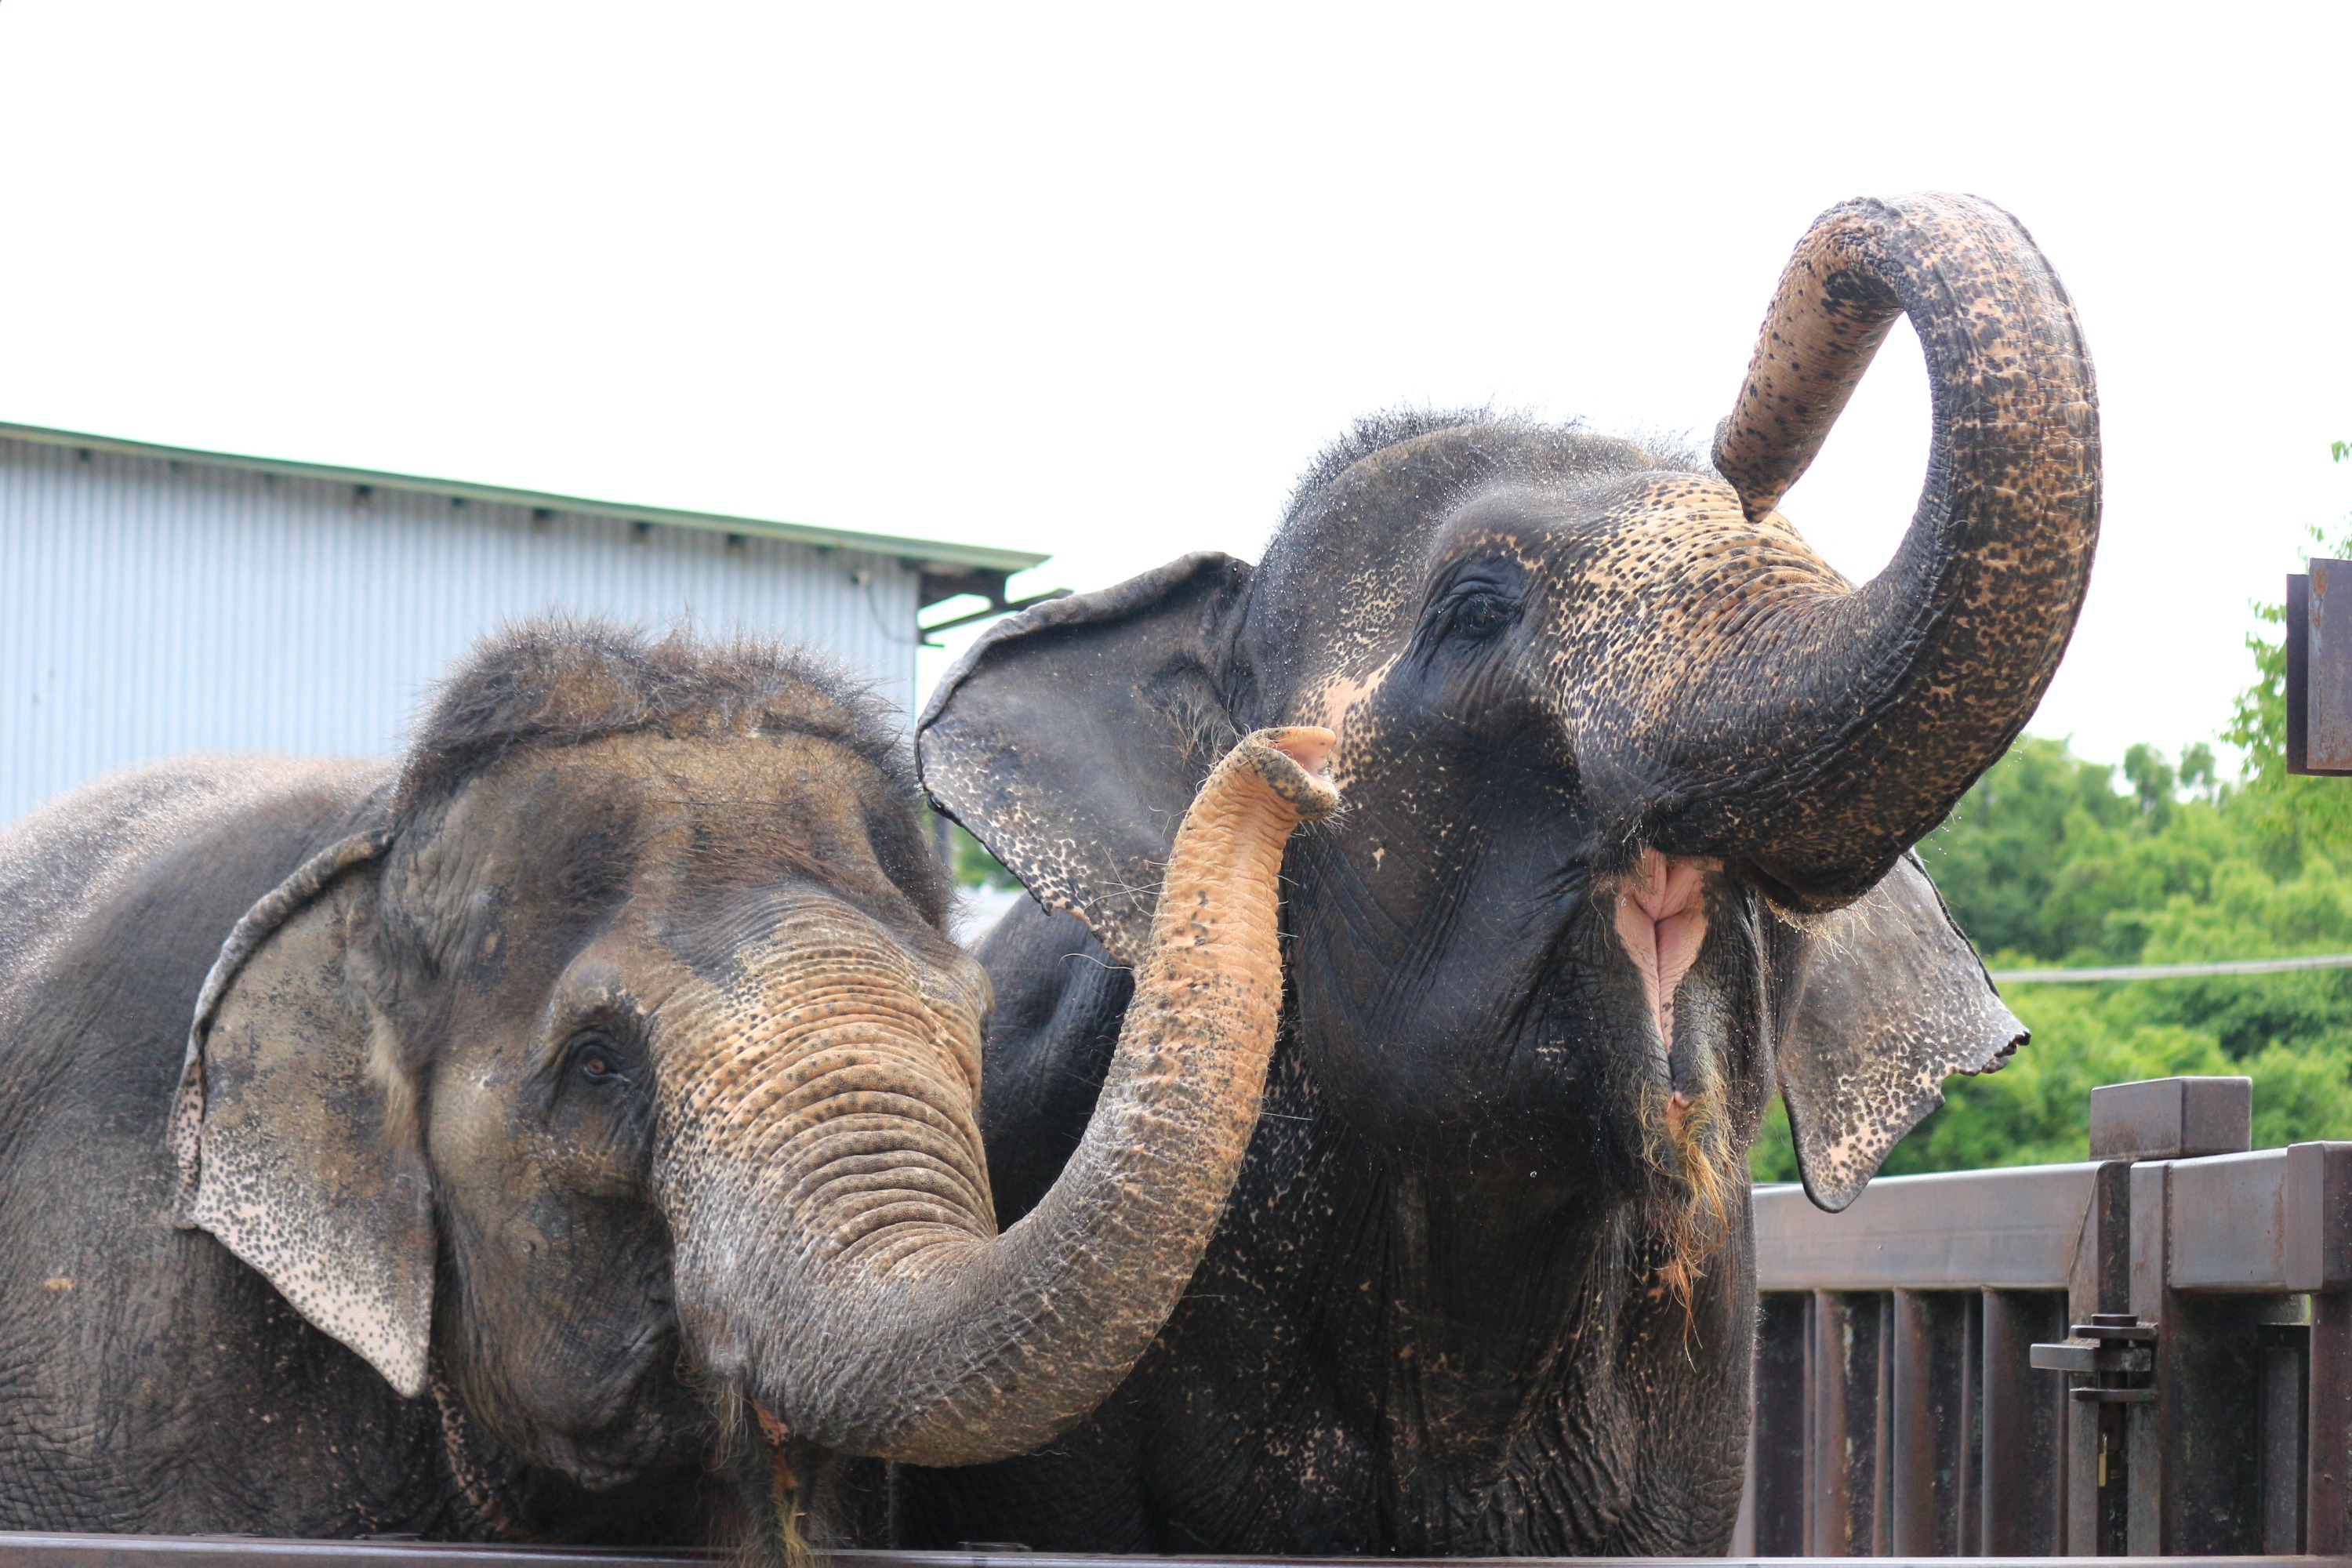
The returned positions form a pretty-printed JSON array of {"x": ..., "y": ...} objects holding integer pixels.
[
  {"x": 1633, "y": 776},
  {"x": 576, "y": 1132}
]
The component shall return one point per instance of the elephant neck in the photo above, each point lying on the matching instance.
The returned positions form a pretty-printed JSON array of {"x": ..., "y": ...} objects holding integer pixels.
[{"x": 1478, "y": 1332}]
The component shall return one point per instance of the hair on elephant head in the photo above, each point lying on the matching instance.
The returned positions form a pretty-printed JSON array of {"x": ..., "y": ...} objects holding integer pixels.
[
  {"x": 1633, "y": 771},
  {"x": 617, "y": 1070}
]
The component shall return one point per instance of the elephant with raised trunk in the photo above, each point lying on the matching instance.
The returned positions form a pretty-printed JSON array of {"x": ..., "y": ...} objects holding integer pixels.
[
  {"x": 569, "y": 1110},
  {"x": 1633, "y": 776}
]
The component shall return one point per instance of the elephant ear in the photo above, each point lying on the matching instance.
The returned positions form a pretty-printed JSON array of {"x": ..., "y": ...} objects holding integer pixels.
[
  {"x": 1071, "y": 737},
  {"x": 1875, "y": 1005},
  {"x": 294, "y": 1131}
]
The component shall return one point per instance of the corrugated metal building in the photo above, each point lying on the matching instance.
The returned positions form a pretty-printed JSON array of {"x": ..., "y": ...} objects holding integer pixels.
[{"x": 155, "y": 601}]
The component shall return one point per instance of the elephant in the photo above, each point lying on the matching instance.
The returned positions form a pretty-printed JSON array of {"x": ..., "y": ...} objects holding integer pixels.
[
  {"x": 1634, "y": 778},
  {"x": 568, "y": 1132}
]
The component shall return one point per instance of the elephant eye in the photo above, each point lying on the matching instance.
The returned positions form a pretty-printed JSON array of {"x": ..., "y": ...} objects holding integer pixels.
[
  {"x": 594, "y": 1059},
  {"x": 1482, "y": 613}
]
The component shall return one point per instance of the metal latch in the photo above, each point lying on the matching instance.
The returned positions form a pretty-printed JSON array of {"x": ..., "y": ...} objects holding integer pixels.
[{"x": 2115, "y": 1350}]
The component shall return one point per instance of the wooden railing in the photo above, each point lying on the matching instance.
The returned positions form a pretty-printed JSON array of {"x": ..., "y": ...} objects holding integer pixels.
[{"x": 2149, "y": 1353}]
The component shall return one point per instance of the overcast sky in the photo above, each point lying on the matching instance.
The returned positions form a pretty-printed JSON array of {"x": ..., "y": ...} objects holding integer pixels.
[{"x": 1100, "y": 281}]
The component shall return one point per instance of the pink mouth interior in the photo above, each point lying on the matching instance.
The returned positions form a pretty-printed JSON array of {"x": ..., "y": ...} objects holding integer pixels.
[{"x": 1662, "y": 920}]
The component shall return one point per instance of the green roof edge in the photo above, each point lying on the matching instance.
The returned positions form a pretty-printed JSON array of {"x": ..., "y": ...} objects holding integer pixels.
[{"x": 980, "y": 556}]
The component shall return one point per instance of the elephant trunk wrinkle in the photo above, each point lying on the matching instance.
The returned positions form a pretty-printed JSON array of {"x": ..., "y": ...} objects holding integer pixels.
[{"x": 826, "y": 1156}]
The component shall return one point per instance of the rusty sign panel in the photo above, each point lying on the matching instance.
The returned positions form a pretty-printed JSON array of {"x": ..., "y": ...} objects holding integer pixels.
[{"x": 2319, "y": 669}]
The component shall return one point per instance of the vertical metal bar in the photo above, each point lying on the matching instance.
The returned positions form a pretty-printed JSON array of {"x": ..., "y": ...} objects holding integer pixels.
[
  {"x": 1812, "y": 1423},
  {"x": 1909, "y": 1419},
  {"x": 1846, "y": 1372},
  {"x": 1882, "y": 1432},
  {"x": 1776, "y": 1463},
  {"x": 1927, "y": 1422},
  {"x": 2094, "y": 1489},
  {"x": 2146, "y": 1484},
  {"x": 2196, "y": 1477},
  {"x": 2023, "y": 1493},
  {"x": 2286, "y": 1356},
  {"x": 2328, "y": 1485},
  {"x": 1971, "y": 1434},
  {"x": 1825, "y": 1439},
  {"x": 2320, "y": 1229}
]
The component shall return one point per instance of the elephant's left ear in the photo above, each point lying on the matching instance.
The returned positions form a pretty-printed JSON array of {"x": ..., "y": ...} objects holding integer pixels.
[
  {"x": 295, "y": 1133},
  {"x": 1876, "y": 1005}
]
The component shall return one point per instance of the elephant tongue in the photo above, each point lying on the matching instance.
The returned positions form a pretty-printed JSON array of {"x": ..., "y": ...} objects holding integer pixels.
[{"x": 1662, "y": 920}]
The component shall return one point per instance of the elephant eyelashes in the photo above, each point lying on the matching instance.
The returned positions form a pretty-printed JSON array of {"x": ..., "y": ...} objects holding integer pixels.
[
  {"x": 1475, "y": 607},
  {"x": 1482, "y": 615}
]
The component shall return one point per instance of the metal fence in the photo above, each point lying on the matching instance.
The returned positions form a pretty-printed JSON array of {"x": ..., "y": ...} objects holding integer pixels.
[
  {"x": 159, "y": 1552},
  {"x": 2149, "y": 1353}
]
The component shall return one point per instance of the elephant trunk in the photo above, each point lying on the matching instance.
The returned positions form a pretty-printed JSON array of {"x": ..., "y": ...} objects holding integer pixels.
[
  {"x": 1843, "y": 725},
  {"x": 836, "y": 1248}
]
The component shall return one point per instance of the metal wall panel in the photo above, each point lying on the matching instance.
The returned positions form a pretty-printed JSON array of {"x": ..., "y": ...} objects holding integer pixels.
[{"x": 151, "y": 607}]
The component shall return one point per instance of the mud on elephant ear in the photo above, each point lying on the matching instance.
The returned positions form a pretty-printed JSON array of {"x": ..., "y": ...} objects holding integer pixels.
[
  {"x": 286, "y": 1054},
  {"x": 1071, "y": 737},
  {"x": 1874, "y": 1006}
]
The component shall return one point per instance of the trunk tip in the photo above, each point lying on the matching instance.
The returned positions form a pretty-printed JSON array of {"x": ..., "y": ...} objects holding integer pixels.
[{"x": 1308, "y": 745}]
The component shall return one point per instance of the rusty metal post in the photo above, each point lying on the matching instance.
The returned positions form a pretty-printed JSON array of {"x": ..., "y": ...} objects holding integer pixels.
[
  {"x": 1882, "y": 1445},
  {"x": 1846, "y": 1472},
  {"x": 2328, "y": 1485},
  {"x": 1777, "y": 1445},
  {"x": 1928, "y": 1422},
  {"x": 2319, "y": 669},
  {"x": 2319, "y": 1230},
  {"x": 2097, "y": 1486},
  {"x": 2195, "y": 1482},
  {"x": 2144, "y": 1482},
  {"x": 2286, "y": 1383},
  {"x": 2022, "y": 1495}
]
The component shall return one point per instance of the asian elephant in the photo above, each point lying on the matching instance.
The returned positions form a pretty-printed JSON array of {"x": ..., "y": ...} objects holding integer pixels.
[
  {"x": 1633, "y": 777},
  {"x": 576, "y": 1136}
]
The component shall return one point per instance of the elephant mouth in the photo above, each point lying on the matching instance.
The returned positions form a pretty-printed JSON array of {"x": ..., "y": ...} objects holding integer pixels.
[
  {"x": 1662, "y": 921},
  {"x": 644, "y": 1410}
]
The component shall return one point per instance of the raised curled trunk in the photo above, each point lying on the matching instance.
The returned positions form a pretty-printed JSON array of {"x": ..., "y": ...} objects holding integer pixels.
[
  {"x": 835, "y": 1246},
  {"x": 1845, "y": 724}
]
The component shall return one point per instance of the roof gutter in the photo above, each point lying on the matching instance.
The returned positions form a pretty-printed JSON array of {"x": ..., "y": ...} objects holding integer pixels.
[{"x": 934, "y": 557}]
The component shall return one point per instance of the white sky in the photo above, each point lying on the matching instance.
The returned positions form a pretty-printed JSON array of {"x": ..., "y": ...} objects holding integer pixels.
[{"x": 1100, "y": 280}]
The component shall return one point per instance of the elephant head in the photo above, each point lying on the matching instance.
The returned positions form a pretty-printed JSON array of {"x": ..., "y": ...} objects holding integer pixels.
[
  {"x": 1633, "y": 771},
  {"x": 623, "y": 1026}
]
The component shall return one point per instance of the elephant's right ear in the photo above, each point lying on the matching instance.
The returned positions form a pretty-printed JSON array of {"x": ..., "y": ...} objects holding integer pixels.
[
  {"x": 295, "y": 1132},
  {"x": 1874, "y": 1006},
  {"x": 1072, "y": 737}
]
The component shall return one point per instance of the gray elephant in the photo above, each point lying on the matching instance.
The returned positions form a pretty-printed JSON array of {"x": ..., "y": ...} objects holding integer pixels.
[
  {"x": 1633, "y": 778},
  {"x": 566, "y": 1110}
]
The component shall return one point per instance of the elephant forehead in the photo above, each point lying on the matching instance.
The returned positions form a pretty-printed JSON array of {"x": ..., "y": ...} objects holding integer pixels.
[
  {"x": 1626, "y": 590},
  {"x": 673, "y": 821}
]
